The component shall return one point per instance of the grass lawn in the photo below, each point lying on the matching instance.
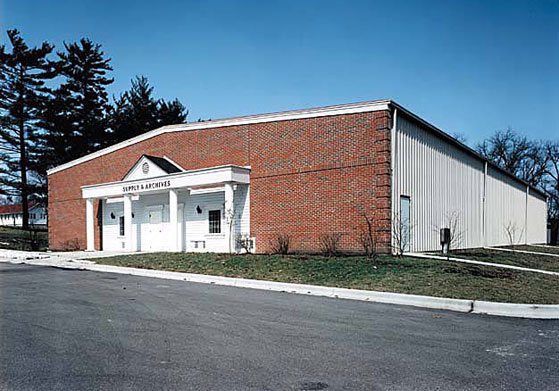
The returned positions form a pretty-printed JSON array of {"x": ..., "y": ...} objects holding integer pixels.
[
  {"x": 390, "y": 274},
  {"x": 18, "y": 239},
  {"x": 533, "y": 261}
]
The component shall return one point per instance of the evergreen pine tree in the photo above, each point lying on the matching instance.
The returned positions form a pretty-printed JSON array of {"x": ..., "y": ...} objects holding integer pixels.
[
  {"x": 172, "y": 112},
  {"x": 58, "y": 137},
  {"x": 85, "y": 98},
  {"x": 23, "y": 72},
  {"x": 136, "y": 111}
]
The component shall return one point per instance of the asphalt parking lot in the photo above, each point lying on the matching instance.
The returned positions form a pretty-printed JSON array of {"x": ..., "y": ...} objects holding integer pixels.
[{"x": 80, "y": 330}]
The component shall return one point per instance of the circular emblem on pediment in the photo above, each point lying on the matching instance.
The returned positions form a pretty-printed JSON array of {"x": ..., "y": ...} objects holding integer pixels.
[{"x": 145, "y": 168}]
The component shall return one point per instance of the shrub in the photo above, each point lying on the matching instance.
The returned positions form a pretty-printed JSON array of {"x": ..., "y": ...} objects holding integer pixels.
[
  {"x": 33, "y": 240},
  {"x": 71, "y": 245},
  {"x": 280, "y": 244},
  {"x": 330, "y": 244},
  {"x": 244, "y": 241}
]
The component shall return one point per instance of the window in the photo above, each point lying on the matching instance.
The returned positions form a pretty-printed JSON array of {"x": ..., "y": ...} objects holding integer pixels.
[
  {"x": 214, "y": 218},
  {"x": 121, "y": 225}
]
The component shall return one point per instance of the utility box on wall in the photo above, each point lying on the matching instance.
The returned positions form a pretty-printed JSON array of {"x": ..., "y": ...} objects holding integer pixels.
[{"x": 445, "y": 239}]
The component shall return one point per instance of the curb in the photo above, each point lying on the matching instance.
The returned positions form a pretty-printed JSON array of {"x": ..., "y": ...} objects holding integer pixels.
[{"x": 533, "y": 311}]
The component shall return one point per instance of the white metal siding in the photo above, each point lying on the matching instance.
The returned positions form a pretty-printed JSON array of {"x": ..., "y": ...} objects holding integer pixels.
[
  {"x": 442, "y": 181},
  {"x": 506, "y": 206},
  {"x": 537, "y": 216}
]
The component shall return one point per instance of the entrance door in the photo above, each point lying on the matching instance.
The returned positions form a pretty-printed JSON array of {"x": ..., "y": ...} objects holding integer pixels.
[
  {"x": 154, "y": 237},
  {"x": 405, "y": 226}
]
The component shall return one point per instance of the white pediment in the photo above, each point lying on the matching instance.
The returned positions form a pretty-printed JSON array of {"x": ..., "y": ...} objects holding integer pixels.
[{"x": 143, "y": 169}]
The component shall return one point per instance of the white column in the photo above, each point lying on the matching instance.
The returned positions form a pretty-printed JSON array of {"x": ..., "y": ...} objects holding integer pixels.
[
  {"x": 90, "y": 224},
  {"x": 173, "y": 219},
  {"x": 128, "y": 223},
  {"x": 229, "y": 217}
]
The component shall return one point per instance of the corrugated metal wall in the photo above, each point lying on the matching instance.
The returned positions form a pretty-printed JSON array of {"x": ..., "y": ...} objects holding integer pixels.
[
  {"x": 446, "y": 184},
  {"x": 537, "y": 218},
  {"x": 506, "y": 209}
]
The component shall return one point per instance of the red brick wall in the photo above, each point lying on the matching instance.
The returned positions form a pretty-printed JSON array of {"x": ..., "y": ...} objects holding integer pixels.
[{"x": 309, "y": 177}]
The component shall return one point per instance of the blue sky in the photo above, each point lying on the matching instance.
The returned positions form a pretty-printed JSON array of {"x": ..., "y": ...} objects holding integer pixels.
[{"x": 469, "y": 67}]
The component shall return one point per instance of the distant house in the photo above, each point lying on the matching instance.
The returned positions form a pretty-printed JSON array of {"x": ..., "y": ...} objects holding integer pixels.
[{"x": 12, "y": 215}]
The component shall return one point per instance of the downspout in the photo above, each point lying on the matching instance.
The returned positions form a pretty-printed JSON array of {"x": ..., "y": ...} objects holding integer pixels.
[
  {"x": 484, "y": 206},
  {"x": 393, "y": 176}
]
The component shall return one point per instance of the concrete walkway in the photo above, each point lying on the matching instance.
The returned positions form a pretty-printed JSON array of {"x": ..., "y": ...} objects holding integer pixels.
[
  {"x": 520, "y": 251},
  {"x": 60, "y": 255},
  {"x": 472, "y": 262}
]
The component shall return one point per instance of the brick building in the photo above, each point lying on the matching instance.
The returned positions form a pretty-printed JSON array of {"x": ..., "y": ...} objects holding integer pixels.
[{"x": 305, "y": 173}]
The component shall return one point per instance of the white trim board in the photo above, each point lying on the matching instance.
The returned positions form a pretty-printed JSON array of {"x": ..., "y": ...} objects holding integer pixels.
[
  {"x": 351, "y": 108},
  {"x": 183, "y": 179}
]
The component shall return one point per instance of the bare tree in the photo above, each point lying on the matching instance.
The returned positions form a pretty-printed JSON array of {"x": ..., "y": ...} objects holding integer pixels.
[
  {"x": 230, "y": 221},
  {"x": 516, "y": 154},
  {"x": 401, "y": 234},
  {"x": 456, "y": 233},
  {"x": 366, "y": 236},
  {"x": 513, "y": 232},
  {"x": 461, "y": 137},
  {"x": 280, "y": 244},
  {"x": 552, "y": 185},
  {"x": 452, "y": 221}
]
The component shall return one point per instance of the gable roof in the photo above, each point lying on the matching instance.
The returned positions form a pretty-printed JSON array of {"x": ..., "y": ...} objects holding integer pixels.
[{"x": 164, "y": 164}]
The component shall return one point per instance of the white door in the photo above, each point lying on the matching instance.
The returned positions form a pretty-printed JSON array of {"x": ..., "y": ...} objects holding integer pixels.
[
  {"x": 155, "y": 229},
  {"x": 405, "y": 223}
]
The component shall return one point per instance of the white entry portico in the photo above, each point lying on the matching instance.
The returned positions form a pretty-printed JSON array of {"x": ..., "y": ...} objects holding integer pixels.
[{"x": 159, "y": 206}]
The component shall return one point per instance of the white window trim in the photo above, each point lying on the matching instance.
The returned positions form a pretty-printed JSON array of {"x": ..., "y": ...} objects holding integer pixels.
[
  {"x": 118, "y": 216},
  {"x": 221, "y": 218}
]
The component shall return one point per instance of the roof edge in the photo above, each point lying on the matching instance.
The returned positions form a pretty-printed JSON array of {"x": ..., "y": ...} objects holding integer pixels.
[
  {"x": 350, "y": 108},
  {"x": 465, "y": 148},
  {"x": 360, "y": 107}
]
